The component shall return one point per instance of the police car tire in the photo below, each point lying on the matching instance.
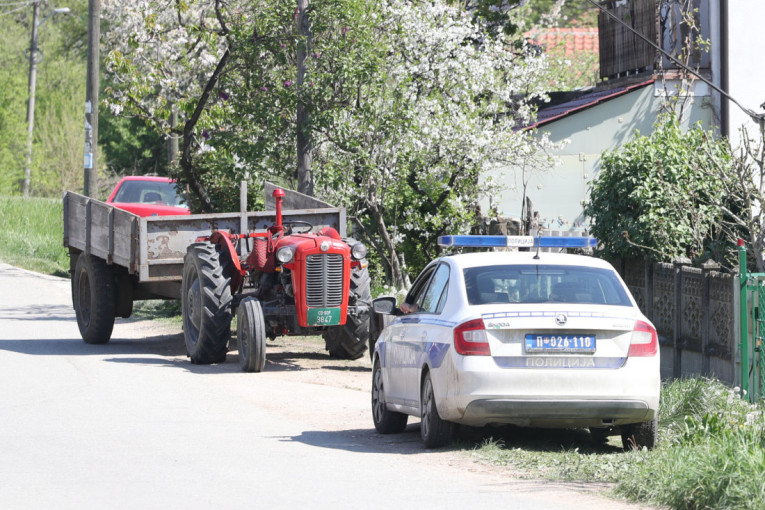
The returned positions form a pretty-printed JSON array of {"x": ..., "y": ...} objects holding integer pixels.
[
  {"x": 203, "y": 277},
  {"x": 351, "y": 340},
  {"x": 434, "y": 431},
  {"x": 94, "y": 298},
  {"x": 385, "y": 420},
  {"x": 251, "y": 335},
  {"x": 639, "y": 435}
]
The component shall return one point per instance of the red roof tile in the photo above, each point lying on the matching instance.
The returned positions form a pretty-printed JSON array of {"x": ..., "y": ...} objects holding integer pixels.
[{"x": 566, "y": 40}]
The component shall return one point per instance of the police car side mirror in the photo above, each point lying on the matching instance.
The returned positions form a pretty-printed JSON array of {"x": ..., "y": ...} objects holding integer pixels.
[{"x": 385, "y": 305}]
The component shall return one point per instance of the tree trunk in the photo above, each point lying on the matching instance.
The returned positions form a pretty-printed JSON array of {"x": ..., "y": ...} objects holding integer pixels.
[
  {"x": 398, "y": 275},
  {"x": 188, "y": 137},
  {"x": 304, "y": 147}
]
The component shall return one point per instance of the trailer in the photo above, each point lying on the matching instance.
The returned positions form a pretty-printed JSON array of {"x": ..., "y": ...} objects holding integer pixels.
[{"x": 219, "y": 265}]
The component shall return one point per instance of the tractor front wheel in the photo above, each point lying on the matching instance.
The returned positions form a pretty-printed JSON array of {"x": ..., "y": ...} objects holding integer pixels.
[
  {"x": 206, "y": 297},
  {"x": 351, "y": 341},
  {"x": 94, "y": 299},
  {"x": 251, "y": 335}
]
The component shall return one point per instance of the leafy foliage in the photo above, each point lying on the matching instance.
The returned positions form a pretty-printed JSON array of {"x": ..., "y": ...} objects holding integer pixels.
[
  {"x": 407, "y": 104},
  {"x": 57, "y": 137},
  {"x": 12, "y": 109},
  {"x": 660, "y": 196}
]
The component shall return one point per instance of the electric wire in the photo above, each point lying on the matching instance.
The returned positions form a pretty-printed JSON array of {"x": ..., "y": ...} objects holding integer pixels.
[
  {"x": 17, "y": 9},
  {"x": 757, "y": 117}
]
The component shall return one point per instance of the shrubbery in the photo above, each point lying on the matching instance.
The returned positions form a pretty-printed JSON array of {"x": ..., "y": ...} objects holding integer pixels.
[{"x": 661, "y": 196}]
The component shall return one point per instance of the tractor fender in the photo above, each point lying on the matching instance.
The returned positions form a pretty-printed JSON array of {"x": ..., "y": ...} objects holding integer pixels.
[{"x": 227, "y": 250}]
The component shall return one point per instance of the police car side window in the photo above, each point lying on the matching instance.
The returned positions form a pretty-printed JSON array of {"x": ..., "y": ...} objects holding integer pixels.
[
  {"x": 417, "y": 292},
  {"x": 435, "y": 295}
]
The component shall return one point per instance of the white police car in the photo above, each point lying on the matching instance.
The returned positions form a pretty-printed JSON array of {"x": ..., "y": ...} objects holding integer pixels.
[{"x": 524, "y": 337}]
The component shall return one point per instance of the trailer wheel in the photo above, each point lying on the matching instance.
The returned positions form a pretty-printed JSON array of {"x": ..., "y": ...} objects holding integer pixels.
[
  {"x": 206, "y": 298},
  {"x": 94, "y": 299},
  {"x": 251, "y": 335},
  {"x": 350, "y": 341}
]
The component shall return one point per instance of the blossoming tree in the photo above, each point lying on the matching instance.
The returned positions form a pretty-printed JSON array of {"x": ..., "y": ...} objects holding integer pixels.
[{"x": 402, "y": 105}]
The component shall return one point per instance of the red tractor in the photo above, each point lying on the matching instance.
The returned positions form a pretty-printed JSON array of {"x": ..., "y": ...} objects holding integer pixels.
[{"x": 292, "y": 282}]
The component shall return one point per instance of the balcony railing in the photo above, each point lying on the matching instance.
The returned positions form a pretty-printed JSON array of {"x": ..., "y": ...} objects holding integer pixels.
[{"x": 662, "y": 21}]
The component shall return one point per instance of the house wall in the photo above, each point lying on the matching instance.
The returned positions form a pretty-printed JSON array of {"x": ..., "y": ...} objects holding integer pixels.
[
  {"x": 558, "y": 194},
  {"x": 746, "y": 74}
]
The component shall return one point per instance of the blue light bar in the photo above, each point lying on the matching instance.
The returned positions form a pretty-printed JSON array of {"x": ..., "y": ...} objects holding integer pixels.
[{"x": 517, "y": 241}]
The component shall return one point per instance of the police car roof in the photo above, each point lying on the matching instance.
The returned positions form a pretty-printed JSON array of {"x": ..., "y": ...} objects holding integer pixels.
[{"x": 486, "y": 258}]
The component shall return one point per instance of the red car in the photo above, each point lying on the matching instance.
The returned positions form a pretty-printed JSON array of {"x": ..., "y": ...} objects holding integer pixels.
[{"x": 148, "y": 196}]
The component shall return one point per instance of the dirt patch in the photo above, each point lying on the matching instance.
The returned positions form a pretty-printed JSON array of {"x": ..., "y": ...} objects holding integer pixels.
[{"x": 306, "y": 356}]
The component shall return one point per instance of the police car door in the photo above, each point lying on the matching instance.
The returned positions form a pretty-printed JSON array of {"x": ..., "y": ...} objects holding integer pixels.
[
  {"x": 424, "y": 335},
  {"x": 403, "y": 356}
]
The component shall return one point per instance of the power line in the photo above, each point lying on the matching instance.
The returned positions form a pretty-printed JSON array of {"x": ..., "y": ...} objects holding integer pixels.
[
  {"x": 17, "y": 9},
  {"x": 757, "y": 117}
]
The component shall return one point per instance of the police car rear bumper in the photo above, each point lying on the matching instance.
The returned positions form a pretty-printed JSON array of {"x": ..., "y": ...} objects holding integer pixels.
[{"x": 556, "y": 413}]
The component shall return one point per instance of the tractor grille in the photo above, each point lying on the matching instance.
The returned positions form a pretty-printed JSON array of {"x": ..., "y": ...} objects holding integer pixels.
[{"x": 324, "y": 280}]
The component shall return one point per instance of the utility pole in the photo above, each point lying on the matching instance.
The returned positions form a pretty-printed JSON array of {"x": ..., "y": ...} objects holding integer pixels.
[
  {"x": 91, "y": 98},
  {"x": 31, "y": 101}
]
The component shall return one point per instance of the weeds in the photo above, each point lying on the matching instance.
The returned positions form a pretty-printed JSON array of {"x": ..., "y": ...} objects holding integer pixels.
[{"x": 710, "y": 454}]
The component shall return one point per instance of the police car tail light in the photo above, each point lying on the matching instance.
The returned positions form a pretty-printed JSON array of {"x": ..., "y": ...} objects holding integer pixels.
[
  {"x": 645, "y": 340},
  {"x": 470, "y": 339}
]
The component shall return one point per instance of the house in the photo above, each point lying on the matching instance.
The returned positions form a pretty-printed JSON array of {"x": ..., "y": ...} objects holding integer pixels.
[{"x": 636, "y": 79}]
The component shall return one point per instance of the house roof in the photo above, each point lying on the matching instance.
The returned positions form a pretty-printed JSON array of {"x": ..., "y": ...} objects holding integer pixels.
[
  {"x": 566, "y": 40},
  {"x": 583, "y": 102}
]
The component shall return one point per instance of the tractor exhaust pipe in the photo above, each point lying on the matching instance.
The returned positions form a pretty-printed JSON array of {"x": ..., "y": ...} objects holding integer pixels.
[{"x": 278, "y": 195}]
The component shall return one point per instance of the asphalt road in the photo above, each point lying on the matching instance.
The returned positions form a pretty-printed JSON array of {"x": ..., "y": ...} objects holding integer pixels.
[{"x": 132, "y": 424}]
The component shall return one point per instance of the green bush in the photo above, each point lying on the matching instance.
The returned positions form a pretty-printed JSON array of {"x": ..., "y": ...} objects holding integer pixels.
[{"x": 659, "y": 196}]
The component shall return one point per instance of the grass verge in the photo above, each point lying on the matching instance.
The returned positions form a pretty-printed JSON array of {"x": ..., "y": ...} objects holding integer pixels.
[
  {"x": 32, "y": 234},
  {"x": 710, "y": 454}
]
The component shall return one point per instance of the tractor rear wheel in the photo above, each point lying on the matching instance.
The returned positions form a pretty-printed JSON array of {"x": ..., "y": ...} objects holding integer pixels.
[
  {"x": 351, "y": 340},
  {"x": 94, "y": 299},
  {"x": 251, "y": 335},
  {"x": 206, "y": 297}
]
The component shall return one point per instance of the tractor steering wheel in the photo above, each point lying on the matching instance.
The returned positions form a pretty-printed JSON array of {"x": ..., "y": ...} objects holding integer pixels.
[{"x": 299, "y": 223}]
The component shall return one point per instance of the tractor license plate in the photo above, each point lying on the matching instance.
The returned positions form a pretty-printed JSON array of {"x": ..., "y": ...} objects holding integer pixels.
[{"x": 323, "y": 316}]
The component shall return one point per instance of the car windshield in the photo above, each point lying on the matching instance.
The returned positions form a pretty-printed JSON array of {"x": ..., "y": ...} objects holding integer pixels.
[
  {"x": 544, "y": 284},
  {"x": 149, "y": 192}
]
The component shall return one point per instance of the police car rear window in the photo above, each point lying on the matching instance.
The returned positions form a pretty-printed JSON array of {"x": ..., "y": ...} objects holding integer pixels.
[{"x": 544, "y": 284}]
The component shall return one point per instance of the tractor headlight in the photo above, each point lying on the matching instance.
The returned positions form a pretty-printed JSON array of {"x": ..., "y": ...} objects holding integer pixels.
[
  {"x": 285, "y": 254},
  {"x": 358, "y": 251}
]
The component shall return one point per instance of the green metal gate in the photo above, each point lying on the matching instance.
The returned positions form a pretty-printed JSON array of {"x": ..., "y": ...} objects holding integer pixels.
[{"x": 752, "y": 320}]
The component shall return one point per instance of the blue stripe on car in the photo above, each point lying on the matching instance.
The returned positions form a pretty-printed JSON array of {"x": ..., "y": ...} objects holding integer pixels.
[{"x": 425, "y": 320}]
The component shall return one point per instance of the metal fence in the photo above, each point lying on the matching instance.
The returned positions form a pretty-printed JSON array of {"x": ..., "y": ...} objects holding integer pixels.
[{"x": 694, "y": 311}]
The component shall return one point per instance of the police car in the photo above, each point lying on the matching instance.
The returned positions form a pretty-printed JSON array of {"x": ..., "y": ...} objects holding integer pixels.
[{"x": 530, "y": 338}]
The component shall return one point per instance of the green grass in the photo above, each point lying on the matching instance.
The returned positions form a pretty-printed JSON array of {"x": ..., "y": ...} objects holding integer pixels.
[
  {"x": 31, "y": 235},
  {"x": 710, "y": 454}
]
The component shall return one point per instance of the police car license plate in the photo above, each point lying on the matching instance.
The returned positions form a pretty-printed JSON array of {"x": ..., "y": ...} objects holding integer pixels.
[
  {"x": 581, "y": 344},
  {"x": 323, "y": 316}
]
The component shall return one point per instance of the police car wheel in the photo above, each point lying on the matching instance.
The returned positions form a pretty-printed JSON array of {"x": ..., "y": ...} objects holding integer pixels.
[
  {"x": 385, "y": 420},
  {"x": 434, "y": 431}
]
